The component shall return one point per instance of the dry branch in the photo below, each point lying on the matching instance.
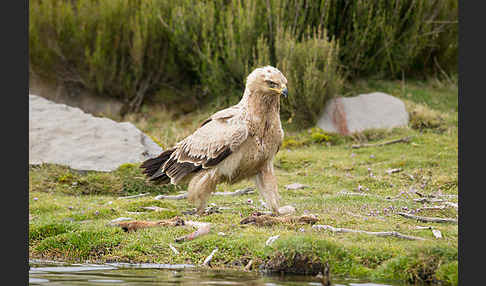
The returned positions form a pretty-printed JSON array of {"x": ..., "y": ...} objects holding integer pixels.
[
  {"x": 173, "y": 249},
  {"x": 451, "y": 204},
  {"x": 248, "y": 266},
  {"x": 155, "y": 208},
  {"x": 134, "y": 196},
  {"x": 428, "y": 200},
  {"x": 428, "y": 219},
  {"x": 352, "y": 193},
  {"x": 208, "y": 259},
  {"x": 138, "y": 224},
  {"x": 379, "y": 233},
  {"x": 176, "y": 197},
  {"x": 391, "y": 171},
  {"x": 268, "y": 220},
  {"x": 405, "y": 139}
]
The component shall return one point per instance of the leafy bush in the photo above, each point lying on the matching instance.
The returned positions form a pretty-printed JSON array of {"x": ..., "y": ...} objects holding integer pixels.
[
  {"x": 133, "y": 49},
  {"x": 312, "y": 70},
  {"x": 383, "y": 38},
  {"x": 115, "y": 48}
]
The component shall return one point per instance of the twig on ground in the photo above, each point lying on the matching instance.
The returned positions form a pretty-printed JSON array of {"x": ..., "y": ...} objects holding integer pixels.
[
  {"x": 451, "y": 204},
  {"x": 176, "y": 197},
  {"x": 391, "y": 171},
  {"x": 428, "y": 219},
  {"x": 176, "y": 252},
  {"x": 134, "y": 213},
  {"x": 432, "y": 208},
  {"x": 134, "y": 196},
  {"x": 248, "y": 266},
  {"x": 155, "y": 208},
  {"x": 343, "y": 192},
  {"x": 202, "y": 230},
  {"x": 207, "y": 261},
  {"x": 436, "y": 195},
  {"x": 423, "y": 227},
  {"x": 428, "y": 200},
  {"x": 380, "y": 233},
  {"x": 248, "y": 190},
  {"x": 271, "y": 239},
  {"x": 445, "y": 196},
  {"x": 138, "y": 224},
  {"x": 405, "y": 139},
  {"x": 268, "y": 220}
]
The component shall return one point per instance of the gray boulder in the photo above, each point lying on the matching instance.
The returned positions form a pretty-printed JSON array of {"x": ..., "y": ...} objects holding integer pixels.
[
  {"x": 64, "y": 135},
  {"x": 377, "y": 110}
]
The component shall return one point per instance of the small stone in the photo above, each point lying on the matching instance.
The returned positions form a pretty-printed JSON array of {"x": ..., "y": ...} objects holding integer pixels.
[
  {"x": 35, "y": 199},
  {"x": 285, "y": 210},
  {"x": 271, "y": 239},
  {"x": 296, "y": 186}
]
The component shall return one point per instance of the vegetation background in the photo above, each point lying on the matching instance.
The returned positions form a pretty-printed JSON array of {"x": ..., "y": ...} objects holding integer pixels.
[
  {"x": 201, "y": 51},
  {"x": 160, "y": 56}
]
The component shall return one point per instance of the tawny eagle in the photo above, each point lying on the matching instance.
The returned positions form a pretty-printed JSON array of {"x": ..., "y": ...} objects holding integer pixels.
[{"x": 236, "y": 143}]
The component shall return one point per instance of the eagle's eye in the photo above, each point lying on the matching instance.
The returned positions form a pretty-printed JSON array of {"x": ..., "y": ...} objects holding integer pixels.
[{"x": 272, "y": 84}]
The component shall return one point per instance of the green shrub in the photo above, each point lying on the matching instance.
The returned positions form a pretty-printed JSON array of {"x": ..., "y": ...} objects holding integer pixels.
[
  {"x": 133, "y": 49},
  {"x": 116, "y": 48},
  {"x": 383, "y": 38},
  {"x": 312, "y": 70}
]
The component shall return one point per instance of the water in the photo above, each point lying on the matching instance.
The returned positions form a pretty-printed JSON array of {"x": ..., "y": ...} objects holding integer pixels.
[{"x": 50, "y": 273}]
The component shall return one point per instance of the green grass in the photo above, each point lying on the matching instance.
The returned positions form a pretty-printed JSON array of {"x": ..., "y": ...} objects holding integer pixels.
[{"x": 71, "y": 210}]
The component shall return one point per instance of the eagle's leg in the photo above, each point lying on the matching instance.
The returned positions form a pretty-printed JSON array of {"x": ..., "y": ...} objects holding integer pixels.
[
  {"x": 266, "y": 183},
  {"x": 200, "y": 188}
]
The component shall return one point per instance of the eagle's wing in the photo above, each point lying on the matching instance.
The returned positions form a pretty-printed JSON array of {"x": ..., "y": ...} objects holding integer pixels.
[{"x": 217, "y": 138}]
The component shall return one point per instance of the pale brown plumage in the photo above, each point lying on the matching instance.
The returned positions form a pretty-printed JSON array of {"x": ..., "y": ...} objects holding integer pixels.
[{"x": 233, "y": 144}]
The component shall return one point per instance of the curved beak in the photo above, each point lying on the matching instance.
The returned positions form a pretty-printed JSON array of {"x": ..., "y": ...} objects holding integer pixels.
[{"x": 285, "y": 92}]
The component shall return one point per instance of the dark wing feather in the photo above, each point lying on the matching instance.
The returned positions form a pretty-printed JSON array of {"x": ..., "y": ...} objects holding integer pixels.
[{"x": 216, "y": 139}]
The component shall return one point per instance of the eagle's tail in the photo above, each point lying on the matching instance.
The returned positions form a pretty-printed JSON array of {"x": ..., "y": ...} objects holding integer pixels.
[{"x": 153, "y": 167}]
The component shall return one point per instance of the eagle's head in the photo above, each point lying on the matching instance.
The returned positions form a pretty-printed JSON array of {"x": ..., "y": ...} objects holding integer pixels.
[{"x": 267, "y": 81}]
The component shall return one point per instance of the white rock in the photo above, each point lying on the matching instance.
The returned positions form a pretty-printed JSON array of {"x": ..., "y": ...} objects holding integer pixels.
[
  {"x": 346, "y": 115},
  {"x": 64, "y": 135},
  {"x": 437, "y": 233},
  {"x": 296, "y": 186},
  {"x": 286, "y": 210}
]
